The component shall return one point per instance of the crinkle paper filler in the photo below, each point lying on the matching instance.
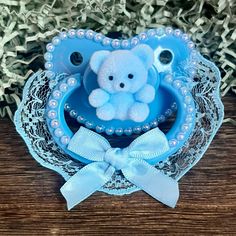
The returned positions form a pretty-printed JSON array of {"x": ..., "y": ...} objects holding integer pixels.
[{"x": 26, "y": 26}]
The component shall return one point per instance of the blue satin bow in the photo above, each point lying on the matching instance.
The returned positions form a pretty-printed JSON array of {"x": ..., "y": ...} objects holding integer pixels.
[{"x": 130, "y": 160}]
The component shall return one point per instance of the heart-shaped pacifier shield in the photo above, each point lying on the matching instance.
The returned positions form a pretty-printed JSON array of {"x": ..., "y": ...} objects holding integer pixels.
[
  {"x": 70, "y": 53},
  {"x": 107, "y": 90},
  {"x": 115, "y": 89}
]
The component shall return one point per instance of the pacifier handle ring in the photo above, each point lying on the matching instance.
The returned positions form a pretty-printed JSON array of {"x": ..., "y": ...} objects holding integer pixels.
[{"x": 177, "y": 135}]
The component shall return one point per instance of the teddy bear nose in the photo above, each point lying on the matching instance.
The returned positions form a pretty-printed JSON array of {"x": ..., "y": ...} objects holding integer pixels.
[{"x": 122, "y": 85}]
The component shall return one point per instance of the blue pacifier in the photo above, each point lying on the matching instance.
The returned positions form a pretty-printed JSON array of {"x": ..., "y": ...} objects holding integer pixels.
[
  {"x": 155, "y": 68},
  {"x": 119, "y": 90},
  {"x": 70, "y": 53}
]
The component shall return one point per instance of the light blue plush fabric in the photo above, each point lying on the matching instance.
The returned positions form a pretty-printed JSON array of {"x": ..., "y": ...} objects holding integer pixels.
[{"x": 124, "y": 93}]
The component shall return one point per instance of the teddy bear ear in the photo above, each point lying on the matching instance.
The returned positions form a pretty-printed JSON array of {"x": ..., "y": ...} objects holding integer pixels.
[
  {"x": 97, "y": 59},
  {"x": 145, "y": 53}
]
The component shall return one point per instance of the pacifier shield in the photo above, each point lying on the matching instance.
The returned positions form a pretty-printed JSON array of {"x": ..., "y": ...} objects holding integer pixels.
[{"x": 173, "y": 52}]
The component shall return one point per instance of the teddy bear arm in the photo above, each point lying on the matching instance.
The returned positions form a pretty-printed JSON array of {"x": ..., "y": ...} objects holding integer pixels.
[
  {"x": 106, "y": 112},
  {"x": 145, "y": 94},
  {"x": 98, "y": 97}
]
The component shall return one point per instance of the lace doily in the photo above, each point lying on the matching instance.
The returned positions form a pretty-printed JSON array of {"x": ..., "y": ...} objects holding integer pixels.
[{"x": 30, "y": 123}]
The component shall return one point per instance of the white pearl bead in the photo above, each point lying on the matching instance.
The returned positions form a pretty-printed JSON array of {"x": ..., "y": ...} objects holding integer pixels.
[
  {"x": 58, "y": 132},
  {"x": 184, "y": 90},
  {"x": 106, "y": 41},
  {"x": 63, "y": 87},
  {"x": 191, "y": 45},
  {"x": 56, "y": 94},
  {"x": 65, "y": 140},
  {"x": 109, "y": 131},
  {"x": 48, "y": 65},
  {"x": 143, "y": 36},
  {"x": 180, "y": 136},
  {"x": 128, "y": 131},
  {"x": 177, "y": 83},
  {"x": 89, "y": 34},
  {"x": 168, "y": 78},
  {"x": 80, "y": 33},
  {"x": 100, "y": 128},
  {"x": 54, "y": 123},
  {"x": 184, "y": 127},
  {"x": 161, "y": 119},
  {"x": 71, "y": 33},
  {"x": 146, "y": 127},
  {"x": 154, "y": 123},
  {"x": 125, "y": 43},
  {"x": 119, "y": 131},
  {"x": 48, "y": 56},
  {"x": 187, "y": 99},
  {"x": 137, "y": 130},
  {"x": 67, "y": 107},
  {"x": 73, "y": 113},
  {"x": 174, "y": 106},
  {"x": 177, "y": 32},
  {"x": 185, "y": 37},
  {"x": 50, "y": 47},
  {"x": 63, "y": 35},
  {"x": 168, "y": 112},
  {"x": 55, "y": 41},
  {"x": 169, "y": 30},
  {"x": 115, "y": 43},
  {"x": 190, "y": 109},
  {"x": 98, "y": 37},
  {"x": 134, "y": 41},
  {"x": 173, "y": 142},
  {"x": 50, "y": 74},
  {"x": 71, "y": 81},
  {"x": 53, "y": 103},
  {"x": 80, "y": 119},
  {"x": 89, "y": 124},
  {"x": 151, "y": 32},
  {"x": 52, "y": 114}
]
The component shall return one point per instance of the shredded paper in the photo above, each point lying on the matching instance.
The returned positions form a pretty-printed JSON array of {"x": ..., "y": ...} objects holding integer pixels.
[{"x": 27, "y": 25}]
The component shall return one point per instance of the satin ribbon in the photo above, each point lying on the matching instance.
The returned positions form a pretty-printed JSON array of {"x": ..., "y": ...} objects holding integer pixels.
[{"x": 130, "y": 160}]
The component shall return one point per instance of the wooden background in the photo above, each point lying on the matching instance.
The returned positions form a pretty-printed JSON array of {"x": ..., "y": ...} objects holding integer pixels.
[{"x": 31, "y": 204}]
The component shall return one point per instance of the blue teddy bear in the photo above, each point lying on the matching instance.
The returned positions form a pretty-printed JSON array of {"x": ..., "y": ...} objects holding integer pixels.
[{"x": 124, "y": 93}]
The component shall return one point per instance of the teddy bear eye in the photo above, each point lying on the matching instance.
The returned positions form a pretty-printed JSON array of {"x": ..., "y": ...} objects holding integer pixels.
[
  {"x": 130, "y": 76},
  {"x": 110, "y": 77}
]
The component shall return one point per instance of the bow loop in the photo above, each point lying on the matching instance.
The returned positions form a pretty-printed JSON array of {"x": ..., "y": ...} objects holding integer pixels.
[
  {"x": 149, "y": 145},
  {"x": 88, "y": 144}
]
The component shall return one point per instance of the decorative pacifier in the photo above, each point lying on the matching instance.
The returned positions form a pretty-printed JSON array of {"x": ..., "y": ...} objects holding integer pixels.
[{"x": 119, "y": 92}]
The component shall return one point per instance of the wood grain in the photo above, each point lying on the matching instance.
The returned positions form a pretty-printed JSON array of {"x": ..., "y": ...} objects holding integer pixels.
[{"x": 31, "y": 204}]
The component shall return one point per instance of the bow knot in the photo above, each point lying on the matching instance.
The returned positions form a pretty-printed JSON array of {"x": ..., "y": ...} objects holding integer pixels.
[
  {"x": 116, "y": 157},
  {"x": 131, "y": 161}
]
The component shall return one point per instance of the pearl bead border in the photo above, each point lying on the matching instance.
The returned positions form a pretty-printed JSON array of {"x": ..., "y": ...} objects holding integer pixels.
[
  {"x": 189, "y": 107},
  {"x": 116, "y": 43},
  {"x": 120, "y": 131},
  {"x": 52, "y": 106},
  {"x": 70, "y": 82},
  {"x": 52, "y": 115}
]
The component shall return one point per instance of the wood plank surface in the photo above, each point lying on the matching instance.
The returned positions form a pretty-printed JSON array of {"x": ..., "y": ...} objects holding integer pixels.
[{"x": 31, "y": 204}]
